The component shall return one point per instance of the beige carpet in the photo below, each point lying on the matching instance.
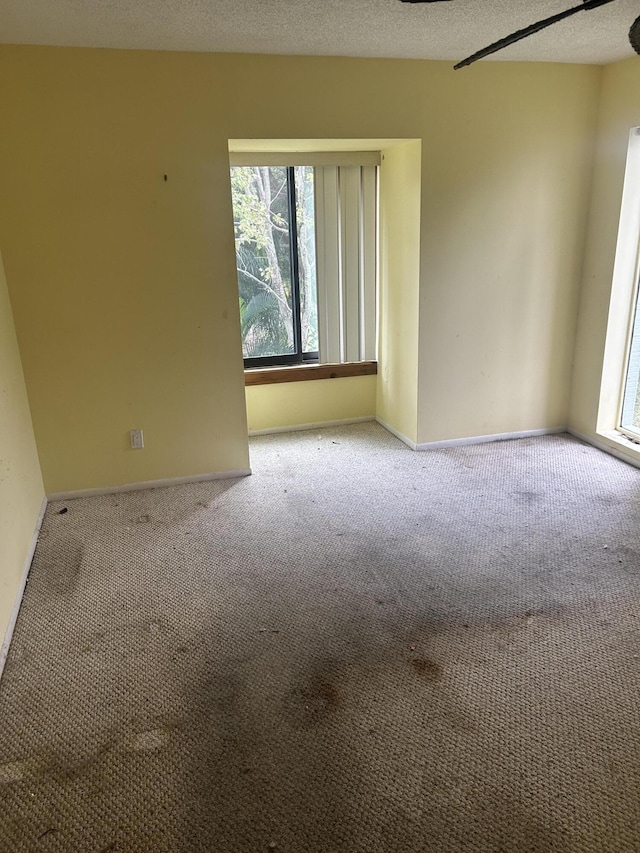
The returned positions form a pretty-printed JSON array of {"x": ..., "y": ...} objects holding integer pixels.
[{"x": 358, "y": 648}]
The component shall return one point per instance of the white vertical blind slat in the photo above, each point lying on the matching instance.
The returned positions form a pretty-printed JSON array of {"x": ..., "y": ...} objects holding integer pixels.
[
  {"x": 368, "y": 348},
  {"x": 350, "y": 250},
  {"x": 328, "y": 266},
  {"x": 346, "y": 243}
]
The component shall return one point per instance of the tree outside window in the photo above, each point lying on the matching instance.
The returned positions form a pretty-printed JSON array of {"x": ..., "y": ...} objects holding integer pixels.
[{"x": 274, "y": 222}]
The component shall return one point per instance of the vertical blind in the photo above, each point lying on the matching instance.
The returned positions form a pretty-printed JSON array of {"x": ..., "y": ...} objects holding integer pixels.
[
  {"x": 346, "y": 223},
  {"x": 346, "y": 216}
]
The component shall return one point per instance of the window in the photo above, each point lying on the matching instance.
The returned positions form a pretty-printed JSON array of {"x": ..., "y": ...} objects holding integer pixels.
[
  {"x": 273, "y": 213},
  {"x": 306, "y": 261},
  {"x": 630, "y": 415},
  {"x": 624, "y": 311}
]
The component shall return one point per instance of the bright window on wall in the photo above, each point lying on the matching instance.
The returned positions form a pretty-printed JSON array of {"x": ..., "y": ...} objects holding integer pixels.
[
  {"x": 630, "y": 414},
  {"x": 626, "y": 292},
  {"x": 306, "y": 260}
]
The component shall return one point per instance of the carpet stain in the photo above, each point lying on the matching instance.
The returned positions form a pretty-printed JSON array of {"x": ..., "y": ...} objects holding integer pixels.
[
  {"x": 529, "y": 497},
  {"x": 628, "y": 559},
  {"x": 427, "y": 669},
  {"x": 94, "y": 642},
  {"x": 609, "y": 500},
  {"x": 62, "y": 565},
  {"x": 310, "y": 704},
  {"x": 65, "y": 768},
  {"x": 327, "y": 694},
  {"x": 25, "y": 770}
]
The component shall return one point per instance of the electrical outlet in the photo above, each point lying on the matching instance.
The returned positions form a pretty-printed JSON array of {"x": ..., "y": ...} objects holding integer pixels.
[{"x": 137, "y": 439}]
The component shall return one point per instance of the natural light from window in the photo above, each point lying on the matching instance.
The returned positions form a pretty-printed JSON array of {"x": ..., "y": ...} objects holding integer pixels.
[
  {"x": 630, "y": 415},
  {"x": 274, "y": 222},
  {"x": 306, "y": 257}
]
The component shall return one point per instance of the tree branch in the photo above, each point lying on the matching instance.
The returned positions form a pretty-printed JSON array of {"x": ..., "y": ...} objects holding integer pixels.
[{"x": 262, "y": 283}]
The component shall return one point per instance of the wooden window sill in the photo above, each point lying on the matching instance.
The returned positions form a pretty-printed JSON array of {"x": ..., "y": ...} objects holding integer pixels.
[{"x": 306, "y": 372}]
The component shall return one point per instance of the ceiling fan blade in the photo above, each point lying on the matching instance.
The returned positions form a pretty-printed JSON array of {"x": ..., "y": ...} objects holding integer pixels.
[
  {"x": 528, "y": 31},
  {"x": 634, "y": 35}
]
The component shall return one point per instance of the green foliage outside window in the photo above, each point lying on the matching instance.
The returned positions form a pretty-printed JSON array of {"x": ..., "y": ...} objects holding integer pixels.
[{"x": 263, "y": 258}]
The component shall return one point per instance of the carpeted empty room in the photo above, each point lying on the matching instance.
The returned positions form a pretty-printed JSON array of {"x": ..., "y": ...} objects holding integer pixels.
[{"x": 357, "y": 648}]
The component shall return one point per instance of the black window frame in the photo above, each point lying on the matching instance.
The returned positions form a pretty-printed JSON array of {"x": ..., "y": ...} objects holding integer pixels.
[{"x": 297, "y": 357}]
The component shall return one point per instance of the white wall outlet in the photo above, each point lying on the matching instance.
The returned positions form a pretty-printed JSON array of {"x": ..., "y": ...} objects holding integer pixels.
[{"x": 137, "y": 439}]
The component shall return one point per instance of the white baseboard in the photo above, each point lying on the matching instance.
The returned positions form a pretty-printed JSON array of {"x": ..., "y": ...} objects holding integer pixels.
[
  {"x": 397, "y": 434},
  {"x": 4, "y": 649},
  {"x": 475, "y": 439},
  {"x": 149, "y": 484},
  {"x": 318, "y": 425},
  {"x": 619, "y": 452},
  {"x": 487, "y": 439}
]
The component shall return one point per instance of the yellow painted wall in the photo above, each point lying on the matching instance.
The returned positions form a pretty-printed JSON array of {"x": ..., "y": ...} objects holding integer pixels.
[
  {"x": 399, "y": 294},
  {"x": 504, "y": 217},
  {"x": 619, "y": 112},
  {"x": 123, "y": 284},
  {"x": 295, "y": 403},
  {"x": 21, "y": 489}
]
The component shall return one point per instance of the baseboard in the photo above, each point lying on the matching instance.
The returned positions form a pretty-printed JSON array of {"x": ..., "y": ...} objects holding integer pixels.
[
  {"x": 475, "y": 439},
  {"x": 606, "y": 447},
  {"x": 149, "y": 484},
  {"x": 397, "y": 434},
  {"x": 4, "y": 649},
  {"x": 318, "y": 425},
  {"x": 488, "y": 439}
]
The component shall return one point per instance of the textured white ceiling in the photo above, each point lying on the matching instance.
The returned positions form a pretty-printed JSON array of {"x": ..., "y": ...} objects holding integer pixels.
[{"x": 386, "y": 28}]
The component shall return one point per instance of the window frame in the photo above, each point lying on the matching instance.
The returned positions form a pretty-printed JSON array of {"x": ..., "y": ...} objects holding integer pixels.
[
  {"x": 627, "y": 269},
  {"x": 298, "y": 357},
  {"x": 630, "y": 385},
  {"x": 605, "y": 432},
  {"x": 344, "y": 271}
]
